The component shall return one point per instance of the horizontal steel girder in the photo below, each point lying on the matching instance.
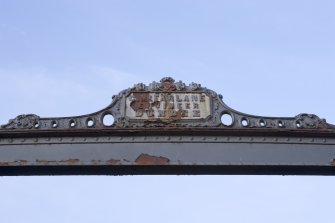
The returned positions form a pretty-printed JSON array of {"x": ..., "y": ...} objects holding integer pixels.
[{"x": 115, "y": 155}]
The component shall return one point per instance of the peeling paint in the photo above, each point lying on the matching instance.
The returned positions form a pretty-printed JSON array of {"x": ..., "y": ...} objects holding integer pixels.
[
  {"x": 145, "y": 159},
  {"x": 167, "y": 106},
  {"x": 14, "y": 163},
  {"x": 58, "y": 162},
  {"x": 141, "y": 102},
  {"x": 112, "y": 162}
]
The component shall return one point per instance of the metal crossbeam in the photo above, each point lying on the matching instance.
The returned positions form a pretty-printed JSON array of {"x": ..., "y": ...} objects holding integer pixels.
[{"x": 167, "y": 128}]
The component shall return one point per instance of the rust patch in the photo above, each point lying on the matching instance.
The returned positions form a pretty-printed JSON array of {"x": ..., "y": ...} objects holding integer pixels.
[
  {"x": 179, "y": 114},
  {"x": 141, "y": 102},
  {"x": 60, "y": 162},
  {"x": 14, "y": 163},
  {"x": 169, "y": 108},
  {"x": 112, "y": 162},
  {"x": 108, "y": 162},
  {"x": 332, "y": 163},
  {"x": 145, "y": 159}
]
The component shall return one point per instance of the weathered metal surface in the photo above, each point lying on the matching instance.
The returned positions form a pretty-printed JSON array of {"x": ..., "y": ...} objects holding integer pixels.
[
  {"x": 167, "y": 106},
  {"x": 167, "y": 128},
  {"x": 186, "y": 152}
]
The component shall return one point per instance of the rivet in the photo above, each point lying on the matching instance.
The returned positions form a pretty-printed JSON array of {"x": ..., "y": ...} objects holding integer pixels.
[
  {"x": 312, "y": 140},
  {"x": 251, "y": 139},
  {"x": 169, "y": 138},
  {"x": 121, "y": 138},
  {"x": 203, "y": 138},
  {"x": 180, "y": 138},
  {"x": 325, "y": 140},
  {"x": 60, "y": 139},
  {"x": 215, "y": 138},
  {"x": 23, "y": 140},
  {"x": 36, "y": 140},
  {"x": 10, "y": 140},
  {"x": 192, "y": 138},
  {"x": 300, "y": 139},
  {"x": 275, "y": 139}
]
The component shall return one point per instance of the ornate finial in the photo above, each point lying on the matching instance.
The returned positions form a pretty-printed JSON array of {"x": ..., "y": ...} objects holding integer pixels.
[
  {"x": 168, "y": 84},
  {"x": 167, "y": 79}
]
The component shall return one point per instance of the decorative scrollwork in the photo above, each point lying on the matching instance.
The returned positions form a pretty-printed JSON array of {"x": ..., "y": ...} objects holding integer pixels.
[
  {"x": 180, "y": 86},
  {"x": 310, "y": 121},
  {"x": 167, "y": 84},
  {"x": 23, "y": 122},
  {"x": 168, "y": 103},
  {"x": 154, "y": 86},
  {"x": 194, "y": 86}
]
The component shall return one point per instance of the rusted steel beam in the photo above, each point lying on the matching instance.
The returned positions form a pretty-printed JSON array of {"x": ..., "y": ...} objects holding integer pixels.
[
  {"x": 167, "y": 128},
  {"x": 170, "y": 154}
]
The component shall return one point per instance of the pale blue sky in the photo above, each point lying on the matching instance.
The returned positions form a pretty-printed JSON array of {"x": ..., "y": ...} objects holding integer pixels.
[{"x": 60, "y": 58}]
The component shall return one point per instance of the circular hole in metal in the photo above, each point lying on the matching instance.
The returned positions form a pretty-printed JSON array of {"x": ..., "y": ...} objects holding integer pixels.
[
  {"x": 54, "y": 124},
  {"x": 226, "y": 119},
  {"x": 280, "y": 124},
  {"x": 298, "y": 124},
  {"x": 262, "y": 123},
  {"x": 72, "y": 123},
  {"x": 89, "y": 122},
  {"x": 108, "y": 119},
  {"x": 244, "y": 122},
  {"x": 36, "y": 125}
]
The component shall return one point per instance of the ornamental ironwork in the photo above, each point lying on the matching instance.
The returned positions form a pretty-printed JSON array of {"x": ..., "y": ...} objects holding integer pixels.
[{"x": 168, "y": 104}]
